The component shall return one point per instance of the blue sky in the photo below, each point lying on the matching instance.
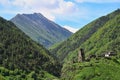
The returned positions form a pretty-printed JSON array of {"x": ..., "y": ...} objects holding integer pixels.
[{"x": 71, "y": 14}]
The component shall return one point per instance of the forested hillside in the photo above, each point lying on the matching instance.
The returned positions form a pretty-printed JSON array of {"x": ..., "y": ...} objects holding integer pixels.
[
  {"x": 22, "y": 58},
  {"x": 99, "y": 36},
  {"x": 97, "y": 39}
]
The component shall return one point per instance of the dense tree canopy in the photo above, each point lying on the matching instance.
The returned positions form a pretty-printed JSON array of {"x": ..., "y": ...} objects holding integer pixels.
[{"x": 19, "y": 52}]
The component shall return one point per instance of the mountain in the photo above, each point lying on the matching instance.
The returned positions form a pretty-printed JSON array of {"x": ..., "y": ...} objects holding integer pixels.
[
  {"x": 97, "y": 37},
  {"x": 40, "y": 29},
  {"x": 21, "y": 58}
]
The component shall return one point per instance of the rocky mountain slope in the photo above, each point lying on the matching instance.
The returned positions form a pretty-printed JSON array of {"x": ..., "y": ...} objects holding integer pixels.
[{"x": 40, "y": 29}]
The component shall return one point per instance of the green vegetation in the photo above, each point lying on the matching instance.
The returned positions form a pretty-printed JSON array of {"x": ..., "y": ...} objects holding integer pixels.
[
  {"x": 102, "y": 69},
  {"x": 22, "y": 58},
  {"x": 18, "y": 74},
  {"x": 97, "y": 37}
]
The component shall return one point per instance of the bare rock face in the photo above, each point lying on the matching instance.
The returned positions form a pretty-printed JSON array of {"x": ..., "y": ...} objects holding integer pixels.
[{"x": 41, "y": 29}]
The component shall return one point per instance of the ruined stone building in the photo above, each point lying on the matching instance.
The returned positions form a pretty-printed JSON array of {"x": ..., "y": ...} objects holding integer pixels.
[{"x": 81, "y": 55}]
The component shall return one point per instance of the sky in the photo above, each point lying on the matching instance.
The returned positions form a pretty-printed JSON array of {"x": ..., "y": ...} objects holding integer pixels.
[{"x": 70, "y": 14}]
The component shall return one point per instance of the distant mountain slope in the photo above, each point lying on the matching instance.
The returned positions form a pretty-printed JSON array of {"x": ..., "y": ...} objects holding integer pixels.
[
  {"x": 41, "y": 29},
  {"x": 95, "y": 38},
  {"x": 21, "y": 56}
]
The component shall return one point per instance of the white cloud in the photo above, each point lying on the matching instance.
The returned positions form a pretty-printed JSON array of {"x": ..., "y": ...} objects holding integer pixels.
[
  {"x": 3, "y": 2},
  {"x": 98, "y": 1},
  {"x": 49, "y": 8},
  {"x": 71, "y": 28},
  {"x": 65, "y": 7}
]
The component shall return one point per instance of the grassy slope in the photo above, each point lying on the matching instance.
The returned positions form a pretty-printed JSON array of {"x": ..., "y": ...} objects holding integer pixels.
[
  {"x": 96, "y": 37},
  {"x": 102, "y": 69},
  {"x": 107, "y": 38},
  {"x": 18, "y": 51},
  {"x": 78, "y": 38}
]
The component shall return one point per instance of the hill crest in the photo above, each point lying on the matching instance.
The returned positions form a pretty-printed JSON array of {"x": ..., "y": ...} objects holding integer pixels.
[{"x": 40, "y": 29}]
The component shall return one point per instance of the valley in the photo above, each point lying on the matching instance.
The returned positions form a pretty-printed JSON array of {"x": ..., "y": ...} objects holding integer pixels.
[{"x": 35, "y": 48}]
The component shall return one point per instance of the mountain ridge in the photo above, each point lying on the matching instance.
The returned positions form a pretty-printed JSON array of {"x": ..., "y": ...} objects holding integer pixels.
[
  {"x": 96, "y": 40},
  {"x": 79, "y": 39},
  {"x": 40, "y": 29}
]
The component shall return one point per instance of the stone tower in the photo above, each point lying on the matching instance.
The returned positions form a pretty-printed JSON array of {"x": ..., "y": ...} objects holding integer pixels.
[{"x": 81, "y": 55}]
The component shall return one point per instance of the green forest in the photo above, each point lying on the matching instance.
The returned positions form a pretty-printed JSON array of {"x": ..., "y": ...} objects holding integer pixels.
[
  {"x": 21, "y": 58},
  {"x": 96, "y": 38},
  {"x": 99, "y": 36}
]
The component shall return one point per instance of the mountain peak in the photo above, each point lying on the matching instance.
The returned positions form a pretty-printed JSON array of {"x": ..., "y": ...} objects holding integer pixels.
[
  {"x": 37, "y": 14},
  {"x": 41, "y": 29}
]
